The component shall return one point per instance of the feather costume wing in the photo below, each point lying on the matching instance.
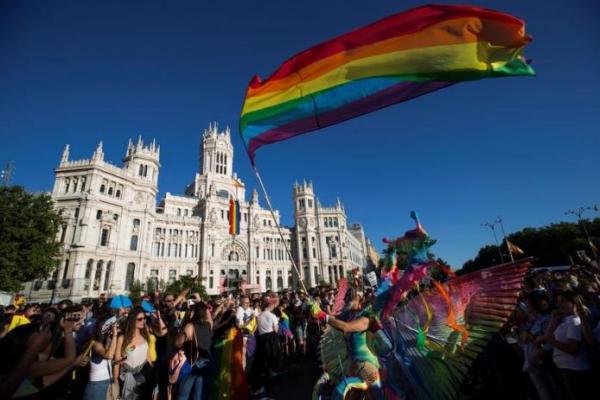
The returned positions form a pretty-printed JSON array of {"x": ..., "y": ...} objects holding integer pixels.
[
  {"x": 440, "y": 332},
  {"x": 340, "y": 298},
  {"x": 335, "y": 357}
]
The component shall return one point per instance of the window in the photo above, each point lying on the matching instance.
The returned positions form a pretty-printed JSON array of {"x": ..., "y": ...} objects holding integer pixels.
[
  {"x": 133, "y": 243},
  {"x": 172, "y": 275},
  {"x": 210, "y": 282},
  {"x": 88, "y": 268},
  {"x": 335, "y": 222},
  {"x": 179, "y": 212},
  {"x": 102, "y": 188},
  {"x": 186, "y": 212},
  {"x": 136, "y": 223},
  {"x": 141, "y": 171},
  {"x": 257, "y": 252},
  {"x": 212, "y": 249},
  {"x": 129, "y": 275},
  {"x": 63, "y": 233},
  {"x": 82, "y": 184},
  {"x": 107, "y": 276},
  {"x": 314, "y": 252},
  {"x": 189, "y": 272},
  {"x": 309, "y": 203},
  {"x": 67, "y": 185},
  {"x": 118, "y": 194},
  {"x": 104, "y": 237},
  {"x": 233, "y": 256},
  {"x": 156, "y": 250},
  {"x": 222, "y": 214},
  {"x": 75, "y": 184},
  {"x": 145, "y": 170},
  {"x": 110, "y": 191}
]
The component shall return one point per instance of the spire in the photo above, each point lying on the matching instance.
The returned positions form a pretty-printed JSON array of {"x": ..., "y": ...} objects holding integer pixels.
[
  {"x": 254, "y": 197},
  {"x": 140, "y": 143},
  {"x": 65, "y": 155},
  {"x": 338, "y": 204},
  {"x": 228, "y": 133},
  {"x": 98, "y": 153}
]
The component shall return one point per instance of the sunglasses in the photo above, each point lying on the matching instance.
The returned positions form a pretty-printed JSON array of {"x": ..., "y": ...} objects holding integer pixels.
[{"x": 139, "y": 319}]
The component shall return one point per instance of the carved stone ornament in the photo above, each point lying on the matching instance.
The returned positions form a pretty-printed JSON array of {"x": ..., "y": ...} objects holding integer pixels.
[
  {"x": 139, "y": 198},
  {"x": 212, "y": 218},
  {"x": 303, "y": 222}
]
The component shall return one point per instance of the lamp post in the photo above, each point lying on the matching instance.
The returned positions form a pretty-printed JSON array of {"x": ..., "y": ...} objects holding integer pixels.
[
  {"x": 493, "y": 228},
  {"x": 579, "y": 214},
  {"x": 499, "y": 221}
]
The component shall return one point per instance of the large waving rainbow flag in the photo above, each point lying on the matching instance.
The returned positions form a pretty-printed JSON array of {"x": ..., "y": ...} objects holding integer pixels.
[{"x": 392, "y": 60}]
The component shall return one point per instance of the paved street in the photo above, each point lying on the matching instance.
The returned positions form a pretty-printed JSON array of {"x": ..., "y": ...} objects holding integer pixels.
[{"x": 297, "y": 383}]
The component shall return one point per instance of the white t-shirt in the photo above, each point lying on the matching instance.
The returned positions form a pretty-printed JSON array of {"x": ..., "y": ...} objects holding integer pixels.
[
  {"x": 99, "y": 371},
  {"x": 243, "y": 316},
  {"x": 266, "y": 321},
  {"x": 570, "y": 328}
]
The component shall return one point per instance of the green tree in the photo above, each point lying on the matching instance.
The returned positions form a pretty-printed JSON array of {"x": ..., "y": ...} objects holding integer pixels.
[
  {"x": 186, "y": 282},
  {"x": 551, "y": 245},
  {"x": 135, "y": 291},
  {"x": 28, "y": 229}
]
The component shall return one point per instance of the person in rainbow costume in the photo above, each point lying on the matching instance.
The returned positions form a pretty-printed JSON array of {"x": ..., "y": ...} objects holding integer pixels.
[{"x": 423, "y": 348}]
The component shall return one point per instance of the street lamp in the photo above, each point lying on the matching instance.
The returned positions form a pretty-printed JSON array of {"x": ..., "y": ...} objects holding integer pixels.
[
  {"x": 499, "y": 221},
  {"x": 492, "y": 226},
  {"x": 579, "y": 214}
]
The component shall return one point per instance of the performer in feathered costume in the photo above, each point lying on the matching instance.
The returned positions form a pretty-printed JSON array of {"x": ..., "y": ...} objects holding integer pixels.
[{"x": 424, "y": 347}]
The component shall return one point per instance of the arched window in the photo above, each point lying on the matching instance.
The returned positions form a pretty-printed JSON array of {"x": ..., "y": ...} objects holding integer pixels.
[
  {"x": 145, "y": 170},
  {"x": 129, "y": 275},
  {"x": 98, "y": 275},
  {"x": 67, "y": 185},
  {"x": 279, "y": 283},
  {"x": 118, "y": 194},
  {"x": 82, "y": 184},
  {"x": 107, "y": 276},
  {"x": 136, "y": 223},
  {"x": 88, "y": 268},
  {"x": 110, "y": 191},
  {"x": 233, "y": 256},
  {"x": 75, "y": 181},
  {"x": 269, "y": 284},
  {"x": 102, "y": 188},
  {"x": 134, "y": 242}
]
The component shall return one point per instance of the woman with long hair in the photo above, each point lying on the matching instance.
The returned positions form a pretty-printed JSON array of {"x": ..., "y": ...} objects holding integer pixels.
[{"x": 132, "y": 354}]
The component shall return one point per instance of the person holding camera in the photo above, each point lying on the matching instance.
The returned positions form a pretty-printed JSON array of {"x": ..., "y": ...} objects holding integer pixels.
[{"x": 103, "y": 352}]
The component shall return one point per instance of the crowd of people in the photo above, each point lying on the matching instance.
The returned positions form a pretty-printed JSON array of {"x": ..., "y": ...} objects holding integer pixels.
[
  {"x": 164, "y": 347},
  {"x": 161, "y": 348},
  {"x": 550, "y": 349}
]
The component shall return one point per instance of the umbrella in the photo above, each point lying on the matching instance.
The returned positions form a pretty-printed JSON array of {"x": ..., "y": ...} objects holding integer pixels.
[
  {"x": 120, "y": 301},
  {"x": 148, "y": 307}
]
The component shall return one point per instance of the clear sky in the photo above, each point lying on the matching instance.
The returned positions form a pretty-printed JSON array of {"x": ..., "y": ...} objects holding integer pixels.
[{"x": 528, "y": 149}]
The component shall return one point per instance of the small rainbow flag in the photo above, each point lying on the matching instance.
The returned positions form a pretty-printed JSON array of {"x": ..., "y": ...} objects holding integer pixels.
[
  {"x": 234, "y": 217},
  {"x": 392, "y": 60}
]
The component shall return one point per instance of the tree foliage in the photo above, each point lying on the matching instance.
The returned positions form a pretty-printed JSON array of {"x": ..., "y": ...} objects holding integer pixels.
[
  {"x": 186, "y": 282},
  {"x": 28, "y": 228},
  {"x": 550, "y": 245}
]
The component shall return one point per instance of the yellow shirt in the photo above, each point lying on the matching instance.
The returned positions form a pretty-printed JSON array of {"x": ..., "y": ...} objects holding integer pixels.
[{"x": 152, "y": 348}]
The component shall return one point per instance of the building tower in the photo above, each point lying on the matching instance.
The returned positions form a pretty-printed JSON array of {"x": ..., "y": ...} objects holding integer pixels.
[
  {"x": 143, "y": 161},
  {"x": 306, "y": 241}
]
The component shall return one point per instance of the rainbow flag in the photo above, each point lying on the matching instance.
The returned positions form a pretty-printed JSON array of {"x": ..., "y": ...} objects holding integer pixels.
[
  {"x": 392, "y": 60},
  {"x": 228, "y": 380},
  {"x": 234, "y": 217}
]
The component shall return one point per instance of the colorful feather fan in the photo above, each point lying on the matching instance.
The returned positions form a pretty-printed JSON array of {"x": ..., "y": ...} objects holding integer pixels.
[
  {"x": 340, "y": 298},
  {"x": 440, "y": 332}
]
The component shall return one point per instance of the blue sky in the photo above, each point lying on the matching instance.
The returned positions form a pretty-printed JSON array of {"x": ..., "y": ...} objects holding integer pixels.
[{"x": 525, "y": 148}]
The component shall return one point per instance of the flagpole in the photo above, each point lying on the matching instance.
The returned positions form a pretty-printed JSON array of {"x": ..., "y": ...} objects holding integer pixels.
[
  {"x": 512, "y": 259},
  {"x": 287, "y": 250},
  {"x": 492, "y": 227}
]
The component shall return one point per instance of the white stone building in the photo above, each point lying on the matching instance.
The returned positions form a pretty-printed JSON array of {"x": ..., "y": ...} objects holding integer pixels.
[{"x": 114, "y": 233}]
